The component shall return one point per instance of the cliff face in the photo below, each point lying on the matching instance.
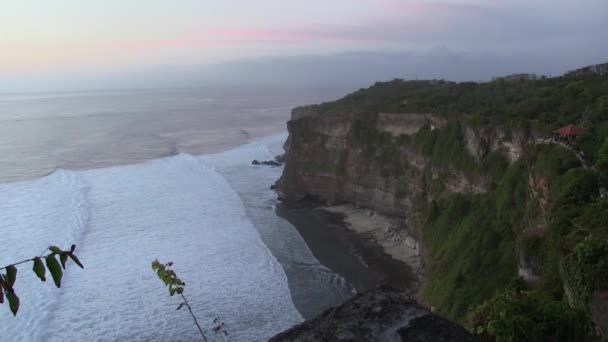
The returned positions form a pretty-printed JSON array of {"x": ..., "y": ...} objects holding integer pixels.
[
  {"x": 465, "y": 169},
  {"x": 385, "y": 161}
]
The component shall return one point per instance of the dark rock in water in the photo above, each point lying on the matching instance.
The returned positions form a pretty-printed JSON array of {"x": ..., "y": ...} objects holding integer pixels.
[
  {"x": 280, "y": 158},
  {"x": 383, "y": 314},
  {"x": 272, "y": 187},
  {"x": 267, "y": 162},
  {"x": 271, "y": 163}
]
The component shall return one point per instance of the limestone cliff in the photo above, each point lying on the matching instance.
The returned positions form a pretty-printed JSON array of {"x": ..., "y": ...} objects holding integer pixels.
[
  {"x": 468, "y": 169},
  {"x": 386, "y": 161}
]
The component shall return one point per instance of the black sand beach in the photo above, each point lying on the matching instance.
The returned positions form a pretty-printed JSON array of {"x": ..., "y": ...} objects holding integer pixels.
[{"x": 357, "y": 258}]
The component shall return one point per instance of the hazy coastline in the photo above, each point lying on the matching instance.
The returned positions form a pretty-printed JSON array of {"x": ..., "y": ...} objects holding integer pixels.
[{"x": 42, "y": 132}]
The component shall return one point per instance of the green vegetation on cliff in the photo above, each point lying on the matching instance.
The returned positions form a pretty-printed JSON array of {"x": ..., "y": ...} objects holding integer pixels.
[
  {"x": 471, "y": 242},
  {"x": 540, "y": 105},
  {"x": 473, "y": 239}
]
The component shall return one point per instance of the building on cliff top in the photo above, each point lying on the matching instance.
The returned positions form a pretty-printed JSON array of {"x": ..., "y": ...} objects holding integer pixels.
[
  {"x": 516, "y": 78},
  {"x": 568, "y": 132}
]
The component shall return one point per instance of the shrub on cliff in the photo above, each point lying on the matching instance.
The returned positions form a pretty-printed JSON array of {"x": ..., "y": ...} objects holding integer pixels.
[
  {"x": 516, "y": 314},
  {"x": 585, "y": 270},
  {"x": 471, "y": 242}
]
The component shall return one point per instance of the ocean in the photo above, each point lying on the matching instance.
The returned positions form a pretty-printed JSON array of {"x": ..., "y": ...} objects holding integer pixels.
[{"x": 131, "y": 176}]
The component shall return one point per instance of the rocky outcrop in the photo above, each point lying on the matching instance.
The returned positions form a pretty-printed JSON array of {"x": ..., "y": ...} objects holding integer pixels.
[
  {"x": 278, "y": 161},
  {"x": 324, "y": 161},
  {"x": 398, "y": 124},
  {"x": 383, "y": 314},
  {"x": 482, "y": 141}
]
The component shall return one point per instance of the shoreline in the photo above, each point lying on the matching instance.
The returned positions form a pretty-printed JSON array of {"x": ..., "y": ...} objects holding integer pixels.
[
  {"x": 387, "y": 232},
  {"x": 367, "y": 251}
]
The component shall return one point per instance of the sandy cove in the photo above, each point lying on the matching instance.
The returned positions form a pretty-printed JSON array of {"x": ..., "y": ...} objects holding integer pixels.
[{"x": 387, "y": 232}]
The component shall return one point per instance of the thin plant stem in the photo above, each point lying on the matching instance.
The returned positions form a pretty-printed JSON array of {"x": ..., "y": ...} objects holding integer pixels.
[
  {"x": 194, "y": 317},
  {"x": 27, "y": 260}
]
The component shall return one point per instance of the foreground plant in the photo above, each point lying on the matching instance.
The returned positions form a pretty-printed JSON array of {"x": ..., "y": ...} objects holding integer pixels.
[
  {"x": 9, "y": 277},
  {"x": 176, "y": 286}
]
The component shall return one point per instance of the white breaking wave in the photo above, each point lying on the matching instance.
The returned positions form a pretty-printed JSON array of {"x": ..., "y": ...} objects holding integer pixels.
[
  {"x": 175, "y": 209},
  {"x": 34, "y": 214},
  {"x": 313, "y": 286}
]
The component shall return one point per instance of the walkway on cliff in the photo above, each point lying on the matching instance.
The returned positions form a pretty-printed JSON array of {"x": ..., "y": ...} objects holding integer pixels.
[{"x": 579, "y": 154}]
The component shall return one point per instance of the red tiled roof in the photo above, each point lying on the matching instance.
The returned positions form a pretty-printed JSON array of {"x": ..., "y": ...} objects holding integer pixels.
[{"x": 569, "y": 130}]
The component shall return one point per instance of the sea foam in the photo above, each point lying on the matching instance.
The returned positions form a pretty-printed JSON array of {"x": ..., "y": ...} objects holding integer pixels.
[{"x": 176, "y": 209}]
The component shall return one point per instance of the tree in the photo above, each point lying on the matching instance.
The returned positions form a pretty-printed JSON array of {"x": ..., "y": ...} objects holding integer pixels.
[{"x": 9, "y": 277}]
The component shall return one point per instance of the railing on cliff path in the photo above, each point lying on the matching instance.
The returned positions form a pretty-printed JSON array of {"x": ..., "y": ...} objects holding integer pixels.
[{"x": 579, "y": 154}]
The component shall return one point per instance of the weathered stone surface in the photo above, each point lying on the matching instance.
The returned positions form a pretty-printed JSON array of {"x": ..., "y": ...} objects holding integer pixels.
[
  {"x": 406, "y": 123},
  {"x": 383, "y": 315},
  {"x": 323, "y": 160}
]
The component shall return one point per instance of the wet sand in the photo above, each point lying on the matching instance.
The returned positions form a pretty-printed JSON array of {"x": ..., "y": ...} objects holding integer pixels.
[{"x": 357, "y": 256}]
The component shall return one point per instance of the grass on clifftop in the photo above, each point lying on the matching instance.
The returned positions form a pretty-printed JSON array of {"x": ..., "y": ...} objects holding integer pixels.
[{"x": 542, "y": 104}]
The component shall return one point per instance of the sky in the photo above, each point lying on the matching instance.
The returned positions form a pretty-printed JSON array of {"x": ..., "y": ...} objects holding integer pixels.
[{"x": 45, "y": 43}]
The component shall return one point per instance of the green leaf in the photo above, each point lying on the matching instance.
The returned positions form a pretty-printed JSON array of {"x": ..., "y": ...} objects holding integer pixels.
[
  {"x": 11, "y": 275},
  {"x": 180, "y": 306},
  {"x": 55, "y": 269},
  {"x": 75, "y": 259},
  {"x": 55, "y": 249},
  {"x": 63, "y": 257},
  {"x": 39, "y": 269},
  {"x": 72, "y": 249},
  {"x": 1, "y": 292},
  {"x": 179, "y": 290},
  {"x": 13, "y": 302}
]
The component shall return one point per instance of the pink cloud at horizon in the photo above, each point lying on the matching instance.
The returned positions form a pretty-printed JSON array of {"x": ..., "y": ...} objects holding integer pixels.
[
  {"x": 386, "y": 25},
  {"x": 398, "y": 21}
]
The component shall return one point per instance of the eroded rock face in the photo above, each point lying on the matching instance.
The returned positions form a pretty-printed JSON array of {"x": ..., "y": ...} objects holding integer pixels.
[
  {"x": 383, "y": 315},
  {"x": 397, "y": 124},
  {"x": 482, "y": 141},
  {"x": 324, "y": 161},
  {"x": 328, "y": 157}
]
